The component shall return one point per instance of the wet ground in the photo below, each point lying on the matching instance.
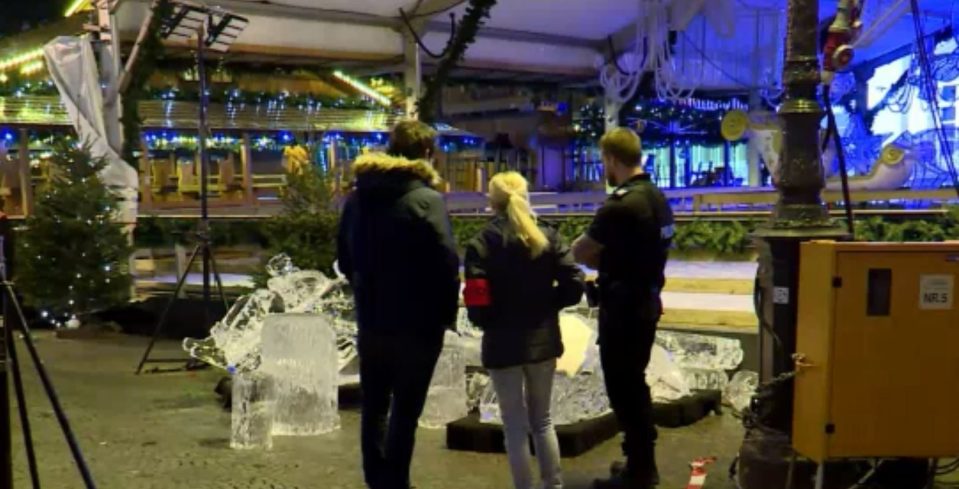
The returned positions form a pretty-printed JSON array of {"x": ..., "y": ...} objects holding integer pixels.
[{"x": 166, "y": 431}]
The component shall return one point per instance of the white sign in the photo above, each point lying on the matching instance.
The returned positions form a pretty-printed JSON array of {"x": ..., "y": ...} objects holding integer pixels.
[
  {"x": 936, "y": 292},
  {"x": 780, "y": 295}
]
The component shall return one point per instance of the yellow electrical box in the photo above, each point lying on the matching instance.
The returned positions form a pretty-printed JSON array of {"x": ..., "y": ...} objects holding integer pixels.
[{"x": 877, "y": 351}]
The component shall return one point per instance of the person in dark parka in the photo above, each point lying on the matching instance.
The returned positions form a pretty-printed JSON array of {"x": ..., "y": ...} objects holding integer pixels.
[{"x": 396, "y": 248}]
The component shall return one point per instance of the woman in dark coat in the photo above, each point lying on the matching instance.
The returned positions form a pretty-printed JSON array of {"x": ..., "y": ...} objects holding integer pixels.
[{"x": 519, "y": 275}]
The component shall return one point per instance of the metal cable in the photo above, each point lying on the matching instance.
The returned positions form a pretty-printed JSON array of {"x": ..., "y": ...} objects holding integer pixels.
[
  {"x": 832, "y": 131},
  {"x": 419, "y": 40},
  {"x": 931, "y": 88}
]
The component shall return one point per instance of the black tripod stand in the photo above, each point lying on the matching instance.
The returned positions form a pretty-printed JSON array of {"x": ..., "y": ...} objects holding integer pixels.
[
  {"x": 214, "y": 30},
  {"x": 9, "y": 363},
  {"x": 204, "y": 248}
]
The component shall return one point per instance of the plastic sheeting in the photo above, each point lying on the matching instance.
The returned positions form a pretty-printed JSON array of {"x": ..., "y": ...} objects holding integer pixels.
[{"x": 73, "y": 68}]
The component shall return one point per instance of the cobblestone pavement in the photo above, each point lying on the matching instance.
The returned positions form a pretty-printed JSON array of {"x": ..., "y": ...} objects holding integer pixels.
[{"x": 166, "y": 431}]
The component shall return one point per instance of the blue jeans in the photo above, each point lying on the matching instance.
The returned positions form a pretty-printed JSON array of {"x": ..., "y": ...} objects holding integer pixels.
[{"x": 524, "y": 396}]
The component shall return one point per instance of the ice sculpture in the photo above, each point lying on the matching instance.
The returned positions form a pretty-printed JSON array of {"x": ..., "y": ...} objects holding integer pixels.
[
  {"x": 471, "y": 339},
  {"x": 253, "y": 403},
  {"x": 701, "y": 351},
  {"x": 299, "y": 352},
  {"x": 739, "y": 393},
  {"x": 280, "y": 265},
  {"x": 704, "y": 360},
  {"x": 446, "y": 399},
  {"x": 300, "y": 290},
  {"x": 578, "y": 398},
  {"x": 574, "y": 399},
  {"x": 705, "y": 378},
  {"x": 678, "y": 363},
  {"x": 234, "y": 342},
  {"x": 578, "y": 389},
  {"x": 665, "y": 378},
  {"x": 489, "y": 405},
  {"x": 476, "y": 384}
]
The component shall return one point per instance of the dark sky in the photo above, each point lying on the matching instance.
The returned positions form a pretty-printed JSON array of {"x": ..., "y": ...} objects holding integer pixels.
[{"x": 29, "y": 11}]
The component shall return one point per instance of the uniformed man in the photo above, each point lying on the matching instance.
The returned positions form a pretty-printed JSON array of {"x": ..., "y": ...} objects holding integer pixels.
[{"x": 628, "y": 243}]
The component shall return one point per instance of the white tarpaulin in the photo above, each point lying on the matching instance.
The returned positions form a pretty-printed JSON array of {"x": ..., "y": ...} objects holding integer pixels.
[{"x": 73, "y": 67}]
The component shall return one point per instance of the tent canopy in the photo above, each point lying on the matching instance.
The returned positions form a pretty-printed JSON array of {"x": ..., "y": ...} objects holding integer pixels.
[{"x": 561, "y": 38}]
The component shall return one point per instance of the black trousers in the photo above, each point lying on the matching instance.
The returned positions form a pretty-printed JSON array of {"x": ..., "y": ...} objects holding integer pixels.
[
  {"x": 395, "y": 374},
  {"x": 625, "y": 343}
]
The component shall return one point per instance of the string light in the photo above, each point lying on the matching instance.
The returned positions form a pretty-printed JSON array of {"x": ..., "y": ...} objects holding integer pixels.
[
  {"x": 364, "y": 89},
  {"x": 77, "y": 6},
  {"x": 20, "y": 59},
  {"x": 32, "y": 67}
]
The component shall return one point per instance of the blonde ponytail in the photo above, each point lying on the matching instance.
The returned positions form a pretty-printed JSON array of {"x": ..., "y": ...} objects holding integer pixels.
[{"x": 509, "y": 195}]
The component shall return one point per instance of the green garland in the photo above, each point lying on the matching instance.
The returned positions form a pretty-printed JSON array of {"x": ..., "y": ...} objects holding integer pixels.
[
  {"x": 151, "y": 50},
  {"x": 299, "y": 232},
  {"x": 235, "y": 95},
  {"x": 476, "y": 14}
]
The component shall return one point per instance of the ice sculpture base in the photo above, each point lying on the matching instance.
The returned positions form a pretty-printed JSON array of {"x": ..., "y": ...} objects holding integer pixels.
[
  {"x": 299, "y": 352},
  {"x": 471, "y": 434},
  {"x": 253, "y": 403},
  {"x": 446, "y": 399}
]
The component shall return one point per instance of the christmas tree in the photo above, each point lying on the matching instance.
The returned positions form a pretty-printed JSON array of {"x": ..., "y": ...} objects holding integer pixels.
[
  {"x": 72, "y": 257},
  {"x": 306, "y": 229}
]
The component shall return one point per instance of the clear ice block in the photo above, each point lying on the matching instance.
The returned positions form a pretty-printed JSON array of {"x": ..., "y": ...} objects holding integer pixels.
[
  {"x": 739, "y": 393},
  {"x": 701, "y": 351},
  {"x": 446, "y": 400},
  {"x": 489, "y": 405},
  {"x": 252, "y": 419},
  {"x": 301, "y": 290},
  {"x": 299, "y": 352},
  {"x": 705, "y": 379},
  {"x": 280, "y": 265},
  {"x": 665, "y": 378},
  {"x": 578, "y": 398}
]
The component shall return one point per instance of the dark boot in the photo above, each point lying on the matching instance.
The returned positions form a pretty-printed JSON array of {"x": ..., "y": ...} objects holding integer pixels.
[
  {"x": 623, "y": 481},
  {"x": 618, "y": 467}
]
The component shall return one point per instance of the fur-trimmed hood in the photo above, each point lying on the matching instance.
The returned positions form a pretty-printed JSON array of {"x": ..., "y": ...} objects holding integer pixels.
[{"x": 379, "y": 169}]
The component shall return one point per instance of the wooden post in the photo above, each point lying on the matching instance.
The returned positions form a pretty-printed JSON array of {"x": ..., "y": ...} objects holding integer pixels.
[
  {"x": 331, "y": 161},
  {"x": 672, "y": 163},
  {"x": 246, "y": 168},
  {"x": 180, "y": 261},
  {"x": 26, "y": 183},
  {"x": 146, "y": 178},
  {"x": 412, "y": 72},
  {"x": 727, "y": 163}
]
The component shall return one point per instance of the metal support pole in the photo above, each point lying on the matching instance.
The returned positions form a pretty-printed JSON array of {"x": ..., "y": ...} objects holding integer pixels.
[
  {"x": 109, "y": 54},
  {"x": 412, "y": 71},
  {"x": 23, "y": 169},
  {"x": 799, "y": 216},
  {"x": 727, "y": 164},
  {"x": 204, "y": 230},
  {"x": 6, "y": 448},
  {"x": 672, "y": 163},
  {"x": 612, "y": 110}
]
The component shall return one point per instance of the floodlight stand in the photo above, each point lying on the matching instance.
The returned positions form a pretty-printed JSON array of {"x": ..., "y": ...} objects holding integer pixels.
[
  {"x": 204, "y": 246},
  {"x": 10, "y": 363}
]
